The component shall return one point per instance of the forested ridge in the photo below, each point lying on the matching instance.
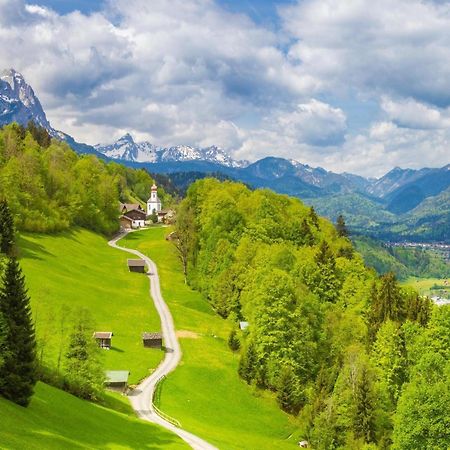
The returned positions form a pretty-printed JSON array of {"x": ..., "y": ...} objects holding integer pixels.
[
  {"x": 362, "y": 362},
  {"x": 50, "y": 188}
]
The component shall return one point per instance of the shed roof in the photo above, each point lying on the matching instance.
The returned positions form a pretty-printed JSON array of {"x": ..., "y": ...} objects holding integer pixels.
[
  {"x": 130, "y": 206},
  {"x": 150, "y": 336},
  {"x": 103, "y": 334},
  {"x": 127, "y": 218},
  {"x": 243, "y": 325},
  {"x": 134, "y": 212},
  {"x": 117, "y": 376},
  {"x": 136, "y": 263}
]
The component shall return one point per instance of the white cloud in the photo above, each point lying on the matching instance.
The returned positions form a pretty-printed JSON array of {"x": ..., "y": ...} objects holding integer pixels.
[
  {"x": 189, "y": 72},
  {"x": 199, "y": 64},
  {"x": 409, "y": 113},
  {"x": 383, "y": 47}
]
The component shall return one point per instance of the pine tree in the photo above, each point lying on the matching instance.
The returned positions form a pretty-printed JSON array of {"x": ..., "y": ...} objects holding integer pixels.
[
  {"x": 364, "y": 421},
  {"x": 306, "y": 235},
  {"x": 341, "y": 227},
  {"x": 288, "y": 392},
  {"x": 18, "y": 374},
  {"x": 6, "y": 228},
  {"x": 313, "y": 217},
  {"x": 233, "y": 341},
  {"x": 247, "y": 364},
  {"x": 325, "y": 282},
  {"x": 388, "y": 302}
]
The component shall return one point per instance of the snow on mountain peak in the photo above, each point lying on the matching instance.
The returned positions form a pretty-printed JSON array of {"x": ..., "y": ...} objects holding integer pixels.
[
  {"x": 18, "y": 103},
  {"x": 127, "y": 149}
]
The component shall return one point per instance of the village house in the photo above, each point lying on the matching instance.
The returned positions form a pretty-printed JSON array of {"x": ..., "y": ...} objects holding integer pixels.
[
  {"x": 126, "y": 223},
  {"x": 125, "y": 207},
  {"x": 166, "y": 216},
  {"x": 137, "y": 216},
  {"x": 103, "y": 339}
]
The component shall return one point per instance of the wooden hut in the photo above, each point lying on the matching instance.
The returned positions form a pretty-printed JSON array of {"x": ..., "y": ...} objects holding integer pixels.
[
  {"x": 152, "y": 340},
  {"x": 136, "y": 265},
  {"x": 117, "y": 380},
  {"x": 243, "y": 325},
  {"x": 103, "y": 339}
]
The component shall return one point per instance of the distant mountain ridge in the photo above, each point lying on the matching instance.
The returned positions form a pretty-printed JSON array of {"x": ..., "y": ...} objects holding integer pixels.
[
  {"x": 370, "y": 204},
  {"x": 127, "y": 149}
]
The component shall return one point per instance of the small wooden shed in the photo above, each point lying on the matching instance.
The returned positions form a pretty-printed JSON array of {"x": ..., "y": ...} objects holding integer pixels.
[
  {"x": 152, "y": 340},
  {"x": 117, "y": 380},
  {"x": 136, "y": 265},
  {"x": 103, "y": 339},
  {"x": 243, "y": 325}
]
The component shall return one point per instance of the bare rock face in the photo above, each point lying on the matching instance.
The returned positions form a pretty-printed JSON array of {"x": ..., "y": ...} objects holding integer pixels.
[{"x": 18, "y": 102}]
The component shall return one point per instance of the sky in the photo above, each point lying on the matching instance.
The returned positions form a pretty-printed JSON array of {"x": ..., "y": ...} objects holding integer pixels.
[{"x": 355, "y": 86}]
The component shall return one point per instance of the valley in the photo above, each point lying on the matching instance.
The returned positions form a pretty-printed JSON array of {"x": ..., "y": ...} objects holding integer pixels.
[
  {"x": 205, "y": 392},
  {"x": 404, "y": 204}
]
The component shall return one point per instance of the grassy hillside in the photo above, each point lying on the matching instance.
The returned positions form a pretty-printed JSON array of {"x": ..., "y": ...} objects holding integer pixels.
[
  {"x": 205, "y": 392},
  {"x": 78, "y": 269},
  {"x": 57, "y": 420}
]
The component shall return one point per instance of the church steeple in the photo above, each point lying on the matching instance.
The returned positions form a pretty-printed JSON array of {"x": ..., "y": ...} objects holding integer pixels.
[{"x": 153, "y": 203}]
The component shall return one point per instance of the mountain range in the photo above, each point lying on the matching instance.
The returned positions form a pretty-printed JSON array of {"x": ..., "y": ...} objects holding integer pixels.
[{"x": 403, "y": 204}]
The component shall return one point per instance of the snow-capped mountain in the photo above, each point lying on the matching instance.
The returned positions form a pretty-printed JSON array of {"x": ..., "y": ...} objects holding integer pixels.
[
  {"x": 18, "y": 103},
  {"x": 128, "y": 150}
]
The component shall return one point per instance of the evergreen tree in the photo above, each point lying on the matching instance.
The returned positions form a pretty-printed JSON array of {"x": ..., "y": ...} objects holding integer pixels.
[
  {"x": 324, "y": 281},
  {"x": 387, "y": 303},
  {"x": 307, "y": 238},
  {"x": 288, "y": 391},
  {"x": 18, "y": 374},
  {"x": 418, "y": 309},
  {"x": 364, "y": 421},
  {"x": 248, "y": 363},
  {"x": 341, "y": 227},
  {"x": 233, "y": 341},
  {"x": 6, "y": 228},
  {"x": 313, "y": 217}
]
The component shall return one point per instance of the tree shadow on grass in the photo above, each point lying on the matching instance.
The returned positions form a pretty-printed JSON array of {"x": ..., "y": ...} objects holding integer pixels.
[
  {"x": 115, "y": 349},
  {"x": 30, "y": 249}
]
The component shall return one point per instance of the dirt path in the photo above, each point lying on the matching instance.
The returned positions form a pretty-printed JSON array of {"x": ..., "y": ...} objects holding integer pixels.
[{"x": 141, "y": 397}]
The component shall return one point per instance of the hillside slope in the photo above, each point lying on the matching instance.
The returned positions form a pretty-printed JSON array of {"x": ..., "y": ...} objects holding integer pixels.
[
  {"x": 57, "y": 420},
  {"x": 205, "y": 392},
  {"x": 77, "y": 269}
]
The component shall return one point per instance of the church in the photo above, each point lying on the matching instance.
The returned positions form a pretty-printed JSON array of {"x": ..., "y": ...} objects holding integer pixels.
[
  {"x": 153, "y": 203},
  {"x": 133, "y": 215}
]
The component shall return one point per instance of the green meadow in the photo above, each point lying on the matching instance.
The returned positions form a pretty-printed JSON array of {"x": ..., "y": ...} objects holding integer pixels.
[
  {"x": 427, "y": 286},
  {"x": 57, "y": 420},
  {"x": 77, "y": 269},
  {"x": 205, "y": 393}
]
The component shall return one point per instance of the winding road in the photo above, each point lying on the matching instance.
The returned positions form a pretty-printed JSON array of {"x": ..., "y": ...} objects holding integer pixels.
[{"x": 141, "y": 397}]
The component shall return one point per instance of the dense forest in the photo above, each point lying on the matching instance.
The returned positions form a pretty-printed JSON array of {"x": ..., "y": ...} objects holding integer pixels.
[
  {"x": 51, "y": 188},
  {"x": 360, "y": 361}
]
